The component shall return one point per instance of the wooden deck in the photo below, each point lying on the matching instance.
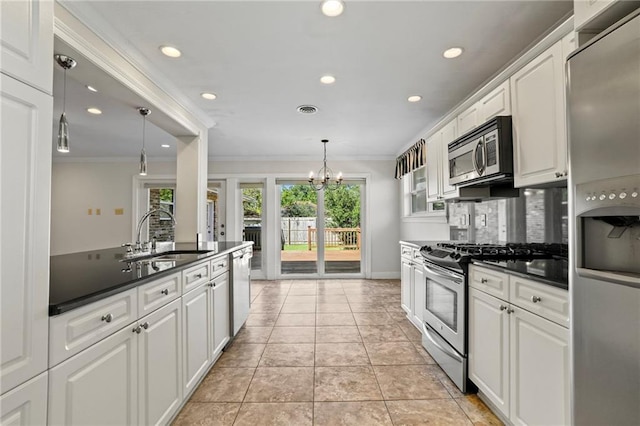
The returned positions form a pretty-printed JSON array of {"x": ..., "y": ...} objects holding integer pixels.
[{"x": 329, "y": 255}]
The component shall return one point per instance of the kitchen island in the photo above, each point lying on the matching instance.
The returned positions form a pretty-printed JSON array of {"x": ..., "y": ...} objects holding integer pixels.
[{"x": 140, "y": 332}]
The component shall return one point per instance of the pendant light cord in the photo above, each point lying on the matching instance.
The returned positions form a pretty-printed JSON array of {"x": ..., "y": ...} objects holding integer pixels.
[
  {"x": 64, "y": 93},
  {"x": 144, "y": 122}
]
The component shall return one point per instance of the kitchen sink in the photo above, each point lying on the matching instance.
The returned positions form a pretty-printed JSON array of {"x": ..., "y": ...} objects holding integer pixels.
[{"x": 173, "y": 255}]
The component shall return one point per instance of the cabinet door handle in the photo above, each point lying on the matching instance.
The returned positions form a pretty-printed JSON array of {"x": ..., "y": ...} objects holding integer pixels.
[
  {"x": 510, "y": 311},
  {"x": 535, "y": 299},
  {"x": 145, "y": 325},
  {"x": 502, "y": 307},
  {"x": 484, "y": 280},
  {"x": 107, "y": 318},
  {"x": 137, "y": 329},
  {"x": 165, "y": 292}
]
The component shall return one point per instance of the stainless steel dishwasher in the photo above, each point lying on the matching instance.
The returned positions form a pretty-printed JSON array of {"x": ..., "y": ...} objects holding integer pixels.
[{"x": 241, "y": 289}]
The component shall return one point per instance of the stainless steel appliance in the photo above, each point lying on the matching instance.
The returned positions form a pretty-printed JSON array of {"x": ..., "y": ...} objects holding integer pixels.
[
  {"x": 484, "y": 155},
  {"x": 444, "y": 333},
  {"x": 603, "y": 100}
]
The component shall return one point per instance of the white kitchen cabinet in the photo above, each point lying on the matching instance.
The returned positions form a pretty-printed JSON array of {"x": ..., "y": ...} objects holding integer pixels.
[
  {"x": 596, "y": 15},
  {"x": 518, "y": 359},
  {"x": 160, "y": 364},
  {"x": 220, "y": 292},
  {"x": 419, "y": 293},
  {"x": 489, "y": 347},
  {"x": 413, "y": 284},
  {"x": 469, "y": 119},
  {"x": 405, "y": 285},
  {"x": 197, "y": 335},
  {"x": 539, "y": 386},
  {"x": 538, "y": 112},
  {"x": 25, "y": 405},
  {"x": 497, "y": 102},
  {"x": 438, "y": 164},
  {"x": 25, "y": 181},
  {"x": 26, "y": 30},
  {"x": 99, "y": 384}
]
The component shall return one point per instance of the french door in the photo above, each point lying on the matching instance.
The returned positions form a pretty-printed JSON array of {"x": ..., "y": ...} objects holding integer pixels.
[{"x": 320, "y": 231}]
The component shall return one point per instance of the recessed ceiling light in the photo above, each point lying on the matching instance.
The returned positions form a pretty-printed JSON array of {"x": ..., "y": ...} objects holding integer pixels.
[
  {"x": 164, "y": 145},
  {"x": 332, "y": 7},
  {"x": 414, "y": 98},
  {"x": 453, "y": 52},
  {"x": 95, "y": 111},
  {"x": 327, "y": 79},
  {"x": 92, "y": 89},
  {"x": 171, "y": 52},
  {"x": 209, "y": 96}
]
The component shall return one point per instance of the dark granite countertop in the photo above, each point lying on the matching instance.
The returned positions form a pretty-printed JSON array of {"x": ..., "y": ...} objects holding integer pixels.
[
  {"x": 77, "y": 279},
  {"x": 553, "y": 272}
]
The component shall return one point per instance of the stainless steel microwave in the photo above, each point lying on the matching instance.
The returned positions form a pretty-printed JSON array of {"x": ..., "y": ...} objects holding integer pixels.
[{"x": 484, "y": 155}]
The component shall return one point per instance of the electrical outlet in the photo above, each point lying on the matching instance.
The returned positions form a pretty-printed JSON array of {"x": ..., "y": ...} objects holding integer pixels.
[
  {"x": 483, "y": 220},
  {"x": 97, "y": 212},
  {"x": 89, "y": 212},
  {"x": 118, "y": 212}
]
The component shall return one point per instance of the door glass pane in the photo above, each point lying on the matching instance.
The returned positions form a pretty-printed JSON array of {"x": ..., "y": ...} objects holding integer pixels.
[
  {"x": 161, "y": 225},
  {"x": 298, "y": 239},
  {"x": 252, "y": 220},
  {"x": 419, "y": 190},
  {"x": 342, "y": 233},
  {"x": 443, "y": 303}
]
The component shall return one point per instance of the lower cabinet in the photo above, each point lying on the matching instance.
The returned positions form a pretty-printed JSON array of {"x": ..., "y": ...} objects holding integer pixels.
[
  {"x": 419, "y": 296},
  {"x": 160, "y": 364},
  {"x": 100, "y": 382},
  {"x": 25, "y": 405},
  {"x": 406, "y": 286},
  {"x": 413, "y": 284},
  {"x": 197, "y": 335},
  {"x": 519, "y": 361},
  {"x": 132, "y": 377},
  {"x": 220, "y": 292}
]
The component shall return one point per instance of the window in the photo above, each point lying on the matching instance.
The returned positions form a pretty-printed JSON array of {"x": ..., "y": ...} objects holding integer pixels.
[{"x": 415, "y": 202}]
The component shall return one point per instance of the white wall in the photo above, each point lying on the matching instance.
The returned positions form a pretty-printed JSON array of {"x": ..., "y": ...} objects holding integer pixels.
[
  {"x": 383, "y": 205},
  {"x": 77, "y": 187}
]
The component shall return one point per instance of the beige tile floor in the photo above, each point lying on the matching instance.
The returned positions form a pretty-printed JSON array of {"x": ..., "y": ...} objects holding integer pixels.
[{"x": 329, "y": 352}]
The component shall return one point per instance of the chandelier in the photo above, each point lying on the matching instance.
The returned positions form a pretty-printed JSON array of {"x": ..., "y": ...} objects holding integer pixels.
[{"x": 325, "y": 178}]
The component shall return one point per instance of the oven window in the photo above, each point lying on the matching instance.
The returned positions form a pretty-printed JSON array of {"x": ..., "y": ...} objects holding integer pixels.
[
  {"x": 461, "y": 165},
  {"x": 443, "y": 303}
]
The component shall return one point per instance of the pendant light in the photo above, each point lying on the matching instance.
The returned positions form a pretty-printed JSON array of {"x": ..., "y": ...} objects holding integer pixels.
[
  {"x": 143, "y": 155},
  {"x": 325, "y": 178},
  {"x": 63, "y": 127}
]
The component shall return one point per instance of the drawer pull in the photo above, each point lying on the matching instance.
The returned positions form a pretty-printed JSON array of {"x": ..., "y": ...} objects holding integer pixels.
[
  {"x": 165, "y": 292},
  {"x": 484, "y": 280},
  {"x": 535, "y": 299},
  {"x": 107, "y": 318},
  {"x": 197, "y": 276},
  {"x": 502, "y": 307},
  {"x": 137, "y": 329},
  {"x": 220, "y": 265}
]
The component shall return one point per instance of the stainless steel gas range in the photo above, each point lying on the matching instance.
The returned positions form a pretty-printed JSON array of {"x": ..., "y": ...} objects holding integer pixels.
[{"x": 445, "y": 307}]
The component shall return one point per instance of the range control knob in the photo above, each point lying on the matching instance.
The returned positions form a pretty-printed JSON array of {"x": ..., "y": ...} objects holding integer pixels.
[
  {"x": 612, "y": 196},
  {"x": 428, "y": 248},
  {"x": 634, "y": 194},
  {"x": 602, "y": 197},
  {"x": 623, "y": 195}
]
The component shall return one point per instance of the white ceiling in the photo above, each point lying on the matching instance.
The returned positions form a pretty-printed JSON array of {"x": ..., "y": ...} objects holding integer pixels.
[{"x": 264, "y": 58}]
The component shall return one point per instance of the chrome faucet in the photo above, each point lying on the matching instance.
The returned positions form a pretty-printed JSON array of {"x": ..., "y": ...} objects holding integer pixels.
[{"x": 138, "y": 247}]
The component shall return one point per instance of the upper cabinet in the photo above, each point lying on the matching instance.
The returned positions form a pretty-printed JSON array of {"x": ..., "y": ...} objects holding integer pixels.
[
  {"x": 26, "y": 30},
  {"x": 468, "y": 119},
  {"x": 438, "y": 187},
  {"x": 595, "y": 15},
  {"x": 497, "y": 102},
  {"x": 538, "y": 110}
]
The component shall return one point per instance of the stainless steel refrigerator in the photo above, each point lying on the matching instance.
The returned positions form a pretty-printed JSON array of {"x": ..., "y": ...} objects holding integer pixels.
[{"x": 603, "y": 100}]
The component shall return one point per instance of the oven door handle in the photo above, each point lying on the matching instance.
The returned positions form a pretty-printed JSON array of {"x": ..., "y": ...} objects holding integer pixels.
[
  {"x": 447, "y": 351},
  {"x": 444, "y": 275}
]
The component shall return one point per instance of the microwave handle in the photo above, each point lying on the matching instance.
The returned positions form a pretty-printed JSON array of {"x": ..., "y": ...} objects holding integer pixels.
[{"x": 479, "y": 167}]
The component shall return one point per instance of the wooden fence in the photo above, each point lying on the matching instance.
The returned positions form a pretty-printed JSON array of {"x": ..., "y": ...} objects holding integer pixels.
[{"x": 345, "y": 238}]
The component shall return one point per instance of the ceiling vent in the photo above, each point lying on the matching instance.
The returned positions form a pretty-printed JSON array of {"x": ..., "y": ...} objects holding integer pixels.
[{"x": 307, "y": 109}]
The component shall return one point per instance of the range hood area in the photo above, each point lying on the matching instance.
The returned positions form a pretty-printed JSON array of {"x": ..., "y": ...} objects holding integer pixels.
[{"x": 486, "y": 193}]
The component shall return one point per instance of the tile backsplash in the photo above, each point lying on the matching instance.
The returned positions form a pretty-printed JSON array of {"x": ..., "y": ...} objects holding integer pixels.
[{"x": 538, "y": 215}]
